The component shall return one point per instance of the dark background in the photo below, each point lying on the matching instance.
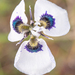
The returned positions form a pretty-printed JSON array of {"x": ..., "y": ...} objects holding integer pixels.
[{"x": 63, "y": 48}]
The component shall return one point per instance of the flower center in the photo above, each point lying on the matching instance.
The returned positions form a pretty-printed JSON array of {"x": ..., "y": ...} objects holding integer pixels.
[
  {"x": 31, "y": 49},
  {"x": 47, "y": 21},
  {"x": 18, "y": 25},
  {"x": 33, "y": 45}
]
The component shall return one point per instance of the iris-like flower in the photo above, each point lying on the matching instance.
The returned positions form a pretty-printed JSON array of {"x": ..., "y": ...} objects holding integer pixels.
[{"x": 34, "y": 56}]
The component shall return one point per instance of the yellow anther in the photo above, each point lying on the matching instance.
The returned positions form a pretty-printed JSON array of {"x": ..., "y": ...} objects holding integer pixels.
[
  {"x": 43, "y": 23},
  {"x": 22, "y": 27},
  {"x": 33, "y": 41}
]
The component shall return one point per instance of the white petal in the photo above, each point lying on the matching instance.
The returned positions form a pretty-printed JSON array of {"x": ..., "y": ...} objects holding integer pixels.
[
  {"x": 36, "y": 63},
  {"x": 62, "y": 25},
  {"x": 37, "y": 28},
  {"x": 35, "y": 33},
  {"x": 18, "y": 12},
  {"x": 13, "y": 36}
]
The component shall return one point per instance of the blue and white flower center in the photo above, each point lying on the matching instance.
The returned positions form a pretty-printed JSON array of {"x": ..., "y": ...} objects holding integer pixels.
[
  {"x": 47, "y": 21},
  {"x": 16, "y": 23},
  {"x": 19, "y": 26},
  {"x": 33, "y": 49}
]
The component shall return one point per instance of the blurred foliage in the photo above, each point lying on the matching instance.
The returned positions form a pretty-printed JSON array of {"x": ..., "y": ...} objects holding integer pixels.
[
  {"x": 63, "y": 48},
  {"x": 3, "y": 38}
]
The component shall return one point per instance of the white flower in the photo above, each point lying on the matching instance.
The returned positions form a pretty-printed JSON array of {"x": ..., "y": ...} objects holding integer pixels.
[
  {"x": 34, "y": 57},
  {"x": 34, "y": 63}
]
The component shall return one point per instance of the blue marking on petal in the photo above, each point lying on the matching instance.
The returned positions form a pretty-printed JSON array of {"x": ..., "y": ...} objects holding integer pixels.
[
  {"x": 49, "y": 20},
  {"x": 35, "y": 49},
  {"x": 16, "y": 22}
]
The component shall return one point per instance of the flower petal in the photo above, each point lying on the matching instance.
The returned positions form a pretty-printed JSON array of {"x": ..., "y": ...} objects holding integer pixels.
[
  {"x": 37, "y": 28},
  {"x": 60, "y": 15},
  {"x": 35, "y": 33},
  {"x": 34, "y": 63},
  {"x": 17, "y": 13},
  {"x": 13, "y": 36}
]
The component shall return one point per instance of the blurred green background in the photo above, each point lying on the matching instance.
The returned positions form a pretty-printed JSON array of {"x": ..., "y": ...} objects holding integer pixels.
[{"x": 63, "y": 48}]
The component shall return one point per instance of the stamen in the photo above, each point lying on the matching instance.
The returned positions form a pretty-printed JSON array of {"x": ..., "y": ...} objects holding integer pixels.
[
  {"x": 25, "y": 35},
  {"x": 31, "y": 19},
  {"x": 21, "y": 40},
  {"x": 45, "y": 36},
  {"x": 30, "y": 12},
  {"x": 33, "y": 41}
]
